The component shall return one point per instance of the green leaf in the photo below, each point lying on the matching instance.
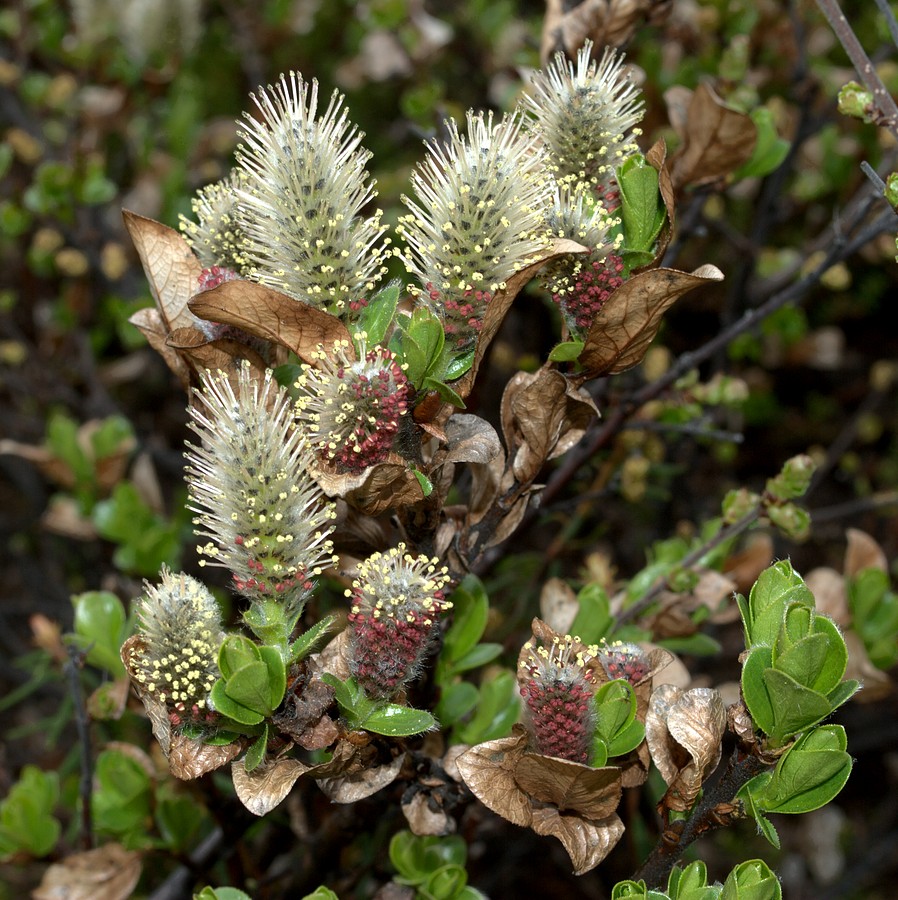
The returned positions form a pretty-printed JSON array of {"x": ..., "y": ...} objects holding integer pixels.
[
  {"x": 754, "y": 688},
  {"x": 642, "y": 208},
  {"x": 446, "y": 393},
  {"x": 698, "y": 644},
  {"x": 476, "y": 657},
  {"x": 566, "y": 351},
  {"x": 321, "y": 893},
  {"x": 100, "y": 624},
  {"x": 809, "y": 774},
  {"x": 222, "y": 893},
  {"x": 307, "y": 641},
  {"x": 615, "y": 707},
  {"x": 470, "y": 611},
  {"x": 229, "y": 708},
  {"x": 376, "y": 317},
  {"x": 795, "y": 707},
  {"x": 627, "y": 739},
  {"x": 277, "y": 675},
  {"x": 746, "y": 794},
  {"x": 456, "y": 701},
  {"x": 122, "y": 794},
  {"x": 26, "y": 814},
  {"x": 424, "y": 481},
  {"x": 426, "y": 330},
  {"x": 394, "y": 720},
  {"x": 458, "y": 365},
  {"x": 770, "y": 149},
  {"x": 255, "y": 755},
  {"x": 776, "y": 588},
  {"x": 181, "y": 820},
  {"x": 593, "y": 620},
  {"x": 497, "y": 711},
  {"x": 236, "y": 651},
  {"x": 412, "y": 356},
  {"x": 446, "y": 882}
]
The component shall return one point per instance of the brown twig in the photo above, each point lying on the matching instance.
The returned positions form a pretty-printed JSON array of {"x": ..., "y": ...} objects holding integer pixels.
[{"x": 82, "y": 726}]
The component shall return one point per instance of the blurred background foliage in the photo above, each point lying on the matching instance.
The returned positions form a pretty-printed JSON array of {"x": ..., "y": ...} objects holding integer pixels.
[{"x": 108, "y": 105}]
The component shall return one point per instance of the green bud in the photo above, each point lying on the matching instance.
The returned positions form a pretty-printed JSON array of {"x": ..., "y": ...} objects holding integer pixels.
[
  {"x": 891, "y": 191},
  {"x": 856, "y": 101},
  {"x": 792, "y": 520},
  {"x": 739, "y": 503},
  {"x": 794, "y": 479},
  {"x": 752, "y": 880}
]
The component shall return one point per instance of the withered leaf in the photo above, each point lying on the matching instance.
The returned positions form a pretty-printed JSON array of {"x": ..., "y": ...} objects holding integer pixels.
[
  {"x": 486, "y": 485},
  {"x": 629, "y": 321},
  {"x": 170, "y": 266},
  {"x": 189, "y": 759},
  {"x": 567, "y": 26},
  {"x": 470, "y": 439},
  {"x": 593, "y": 793},
  {"x": 501, "y": 303},
  {"x": 695, "y": 721},
  {"x": 717, "y": 139},
  {"x": 830, "y": 594},
  {"x": 656, "y": 157},
  {"x": 543, "y": 415},
  {"x": 261, "y": 790},
  {"x": 149, "y": 322},
  {"x": 271, "y": 315},
  {"x": 863, "y": 552},
  {"x": 558, "y": 605},
  {"x": 877, "y": 684},
  {"x": 423, "y": 819},
  {"x": 109, "y": 872},
  {"x": 488, "y": 770},
  {"x": 586, "y": 841},
  {"x": 508, "y": 524},
  {"x": 386, "y": 485},
  {"x": 217, "y": 355},
  {"x": 358, "y": 785}
]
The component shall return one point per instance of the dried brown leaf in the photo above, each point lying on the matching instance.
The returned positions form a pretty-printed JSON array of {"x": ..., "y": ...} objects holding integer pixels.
[
  {"x": 567, "y": 26},
  {"x": 629, "y": 321},
  {"x": 423, "y": 819},
  {"x": 499, "y": 306},
  {"x": 684, "y": 732},
  {"x": 149, "y": 322},
  {"x": 863, "y": 552},
  {"x": 261, "y": 790},
  {"x": 877, "y": 684},
  {"x": 488, "y": 769},
  {"x": 558, "y": 605},
  {"x": 170, "y": 266},
  {"x": 217, "y": 355},
  {"x": 656, "y": 156},
  {"x": 271, "y": 315},
  {"x": 543, "y": 415},
  {"x": 189, "y": 759},
  {"x": 387, "y": 485},
  {"x": 356, "y": 786},
  {"x": 592, "y": 793},
  {"x": 716, "y": 139},
  {"x": 830, "y": 594},
  {"x": 587, "y": 842},
  {"x": 109, "y": 872},
  {"x": 470, "y": 439}
]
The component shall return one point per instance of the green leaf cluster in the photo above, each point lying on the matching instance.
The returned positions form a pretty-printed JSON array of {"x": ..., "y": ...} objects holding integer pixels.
[
  {"x": 874, "y": 616},
  {"x": 807, "y": 776},
  {"x": 27, "y": 824},
  {"x": 253, "y": 681},
  {"x": 750, "y": 880},
  {"x": 122, "y": 798},
  {"x": 617, "y": 730},
  {"x": 419, "y": 343},
  {"x": 433, "y": 866},
  {"x": 792, "y": 675},
  {"x": 473, "y": 713}
]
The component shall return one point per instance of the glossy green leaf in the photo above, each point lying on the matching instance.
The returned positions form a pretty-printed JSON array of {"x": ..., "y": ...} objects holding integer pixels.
[
  {"x": 446, "y": 882},
  {"x": 642, "y": 208},
  {"x": 470, "y": 610},
  {"x": 424, "y": 481},
  {"x": 447, "y": 394},
  {"x": 100, "y": 625},
  {"x": 754, "y": 688},
  {"x": 566, "y": 351},
  {"x": 277, "y": 675},
  {"x": 375, "y": 319},
  {"x": 809, "y": 774},
  {"x": 255, "y": 755},
  {"x": 770, "y": 149},
  {"x": 776, "y": 587},
  {"x": 458, "y": 365},
  {"x": 236, "y": 651},
  {"x": 229, "y": 708},
  {"x": 795, "y": 707},
  {"x": 456, "y": 701},
  {"x": 477, "y": 656},
  {"x": 615, "y": 708},
  {"x": 393, "y": 720}
]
